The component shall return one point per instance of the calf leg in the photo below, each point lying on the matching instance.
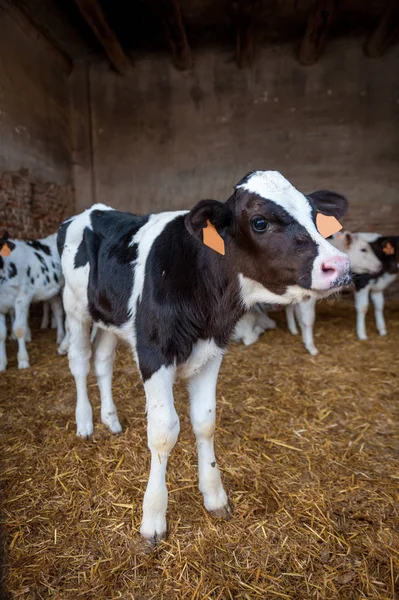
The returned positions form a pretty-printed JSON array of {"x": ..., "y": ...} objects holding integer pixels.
[
  {"x": 45, "y": 317},
  {"x": 63, "y": 347},
  {"x": 56, "y": 307},
  {"x": 362, "y": 304},
  {"x": 20, "y": 327},
  {"x": 163, "y": 429},
  {"x": 307, "y": 311},
  {"x": 377, "y": 299},
  {"x": 290, "y": 316},
  {"x": 3, "y": 337},
  {"x": 104, "y": 356},
  {"x": 79, "y": 353},
  {"x": 202, "y": 389}
]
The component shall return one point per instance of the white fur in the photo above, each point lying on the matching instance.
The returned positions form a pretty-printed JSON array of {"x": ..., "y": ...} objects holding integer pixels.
[{"x": 252, "y": 325}]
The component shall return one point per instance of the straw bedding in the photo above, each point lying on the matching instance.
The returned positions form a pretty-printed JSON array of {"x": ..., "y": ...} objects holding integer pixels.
[{"x": 309, "y": 453}]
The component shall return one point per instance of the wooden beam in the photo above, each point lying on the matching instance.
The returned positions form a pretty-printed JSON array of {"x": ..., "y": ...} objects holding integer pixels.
[
  {"x": 175, "y": 32},
  {"x": 95, "y": 18},
  {"x": 386, "y": 31},
  {"x": 314, "y": 40},
  {"x": 245, "y": 16},
  {"x": 31, "y": 30}
]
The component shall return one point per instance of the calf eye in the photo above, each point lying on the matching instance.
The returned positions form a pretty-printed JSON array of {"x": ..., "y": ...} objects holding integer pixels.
[
  {"x": 259, "y": 224},
  {"x": 363, "y": 250}
]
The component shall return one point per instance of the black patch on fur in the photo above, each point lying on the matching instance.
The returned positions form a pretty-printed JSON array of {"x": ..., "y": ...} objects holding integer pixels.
[
  {"x": 81, "y": 255},
  {"x": 190, "y": 293},
  {"x": 62, "y": 235},
  {"x": 39, "y": 246},
  {"x": 32, "y": 281},
  {"x": 55, "y": 277},
  {"x": 40, "y": 258},
  {"x": 12, "y": 270},
  {"x": 28, "y": 271},
  {"x": 47, "y": 279},
  {"x": 110, "y": 256}
]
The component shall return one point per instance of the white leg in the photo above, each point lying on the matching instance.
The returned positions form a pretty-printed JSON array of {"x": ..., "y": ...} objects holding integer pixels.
[
  {"x": 53, "y": 321},
  {"x": 163, "y": 428},
  {"x": 3, "y": 337},
  {"x": 45, "y": 318},
  {"x": 20, "y": 326},
  {"x": 93, "y": 333},
  {"x": 79, "y": 353},
  {"x": 378, "y": 301},
  {"x": 104, "y": 356},
  {"x": 307, "y": 312},
  {"x": 28, "y": 336},
  {"x": 11, "y": 313},
  {"x": 362, "y": 304},
  {"x": 56, "y": 307},
  {"x": 202, "y": 388},
  {"x": 289, "y": 313}
]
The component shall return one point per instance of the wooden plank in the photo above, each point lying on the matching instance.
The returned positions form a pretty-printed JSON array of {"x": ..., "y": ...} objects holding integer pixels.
[
  {"x": 31, "y": 30},
  {"x": 83, "y": 171},
  {"x": 175, "y": 32},
  {"x": 314, "y": 40},
  {"x": 245, "y": 16},
  {"x": 386, "y": 31},
  {"x": 95, "y": 18}
]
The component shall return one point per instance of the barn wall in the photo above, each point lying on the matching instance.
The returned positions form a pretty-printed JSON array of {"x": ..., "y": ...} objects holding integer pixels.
[
  {"x": 35, "y": 148},
  {"x": 164, "y": 140}
]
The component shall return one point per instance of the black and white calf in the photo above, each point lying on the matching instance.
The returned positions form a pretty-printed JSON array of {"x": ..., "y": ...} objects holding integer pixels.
[
  {"x": 386, "y": 249},
  {"x": 364, "y": 266},
  {"x": 29, "y": 272},
  {"x": 151, "y": 281}
]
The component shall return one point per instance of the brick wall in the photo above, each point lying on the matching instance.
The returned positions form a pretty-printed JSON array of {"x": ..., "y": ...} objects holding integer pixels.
[{"x": 31, "y": 208}]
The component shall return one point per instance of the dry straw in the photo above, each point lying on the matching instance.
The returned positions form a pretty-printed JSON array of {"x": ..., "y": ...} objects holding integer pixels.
[{"x": 308, "y": 449}]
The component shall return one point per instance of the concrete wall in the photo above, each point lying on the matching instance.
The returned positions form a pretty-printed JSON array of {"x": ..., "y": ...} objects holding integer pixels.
[
  {"x": 163, "y": 140},
  {"x": 34, "y": 136}
]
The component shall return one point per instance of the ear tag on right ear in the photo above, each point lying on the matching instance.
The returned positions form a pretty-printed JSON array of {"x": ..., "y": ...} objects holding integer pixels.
[
  {"x": 388, "y": 249},
  {"x": 327, "y": 225},
  {"x": 212, "y": 239},
  {"x": 5, "y": 251}
]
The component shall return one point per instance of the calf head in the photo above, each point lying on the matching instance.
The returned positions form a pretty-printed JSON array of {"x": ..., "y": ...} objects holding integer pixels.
[
  {"x": 361, "y": 255},
  {"x": 272, "y": 241},
  {"x": 386, "y": 249}
]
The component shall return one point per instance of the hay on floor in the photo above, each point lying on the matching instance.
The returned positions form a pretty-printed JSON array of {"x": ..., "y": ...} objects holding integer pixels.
[{"x": 308, "y": 449}]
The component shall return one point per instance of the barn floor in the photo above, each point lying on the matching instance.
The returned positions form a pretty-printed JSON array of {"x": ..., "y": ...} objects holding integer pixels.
[{"x": 309, "y": 453}]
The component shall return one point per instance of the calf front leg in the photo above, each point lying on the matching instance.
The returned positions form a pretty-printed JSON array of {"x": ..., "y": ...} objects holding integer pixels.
[
  {"x": 45, "y": 317},
  {"x": 377, "y": 299},
  {"x": 362, "y": 305},
  {"x": 104, "y": 357},
  {"x": 79, "y": 353},
  {"x": 3, "y": 338},
  {"x": 20, "y": 328},
  {"x": 163, "y": 428},
  {"x": 307, "y": 314},
  {"x": 202, "y": 389},
  {"x": 290, "y": 316}
]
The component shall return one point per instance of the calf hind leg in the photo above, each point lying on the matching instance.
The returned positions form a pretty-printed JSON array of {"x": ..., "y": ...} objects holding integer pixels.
[
  {"x": 57, "y": 313},
  {"x": 362, "y": 304},
  {"x": 202, "y": 389},
  {"x": 20, "y": 328},
  {"x": 162, "y": 429},
  {"x": 104, "y": 356}
]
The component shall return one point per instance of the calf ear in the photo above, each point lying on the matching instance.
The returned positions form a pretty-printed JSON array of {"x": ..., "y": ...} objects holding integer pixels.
[
  {"x": 330, "y": 203},
  {"x": 216, "y": 212}
]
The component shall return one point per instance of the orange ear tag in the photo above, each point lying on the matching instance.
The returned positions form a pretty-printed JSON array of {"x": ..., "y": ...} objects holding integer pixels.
[
  {"x": 388, "y": 249},
  {"x": 327, "y": 225},
  {"x": 212, "y": 239},
  {"x": 5, "y": 251}
]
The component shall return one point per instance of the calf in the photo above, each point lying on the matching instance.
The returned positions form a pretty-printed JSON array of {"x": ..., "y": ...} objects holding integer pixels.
[
  {"x": 156, "y": 282},
  {"x": 364, "y": 264},
  {"x": 252, "y": 324},
  {"x": 29, "y": 272},
  {"x": 386, "y": 248}
]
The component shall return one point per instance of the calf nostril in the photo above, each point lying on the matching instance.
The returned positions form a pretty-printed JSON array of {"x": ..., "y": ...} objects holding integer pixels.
[{"x": 327, "y": 269}]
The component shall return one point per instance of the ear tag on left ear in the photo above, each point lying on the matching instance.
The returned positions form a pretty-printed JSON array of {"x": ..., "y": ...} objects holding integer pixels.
[
  {"x": 212, "y": 239},
  {"x": 5, "y": 251},
  {"x": 388, "y": 249},
  {"x": 327, "y": 225}
]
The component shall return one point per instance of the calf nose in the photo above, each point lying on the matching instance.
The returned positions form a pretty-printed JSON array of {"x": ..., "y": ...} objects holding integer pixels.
[{"x": 336, "y": 270}]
